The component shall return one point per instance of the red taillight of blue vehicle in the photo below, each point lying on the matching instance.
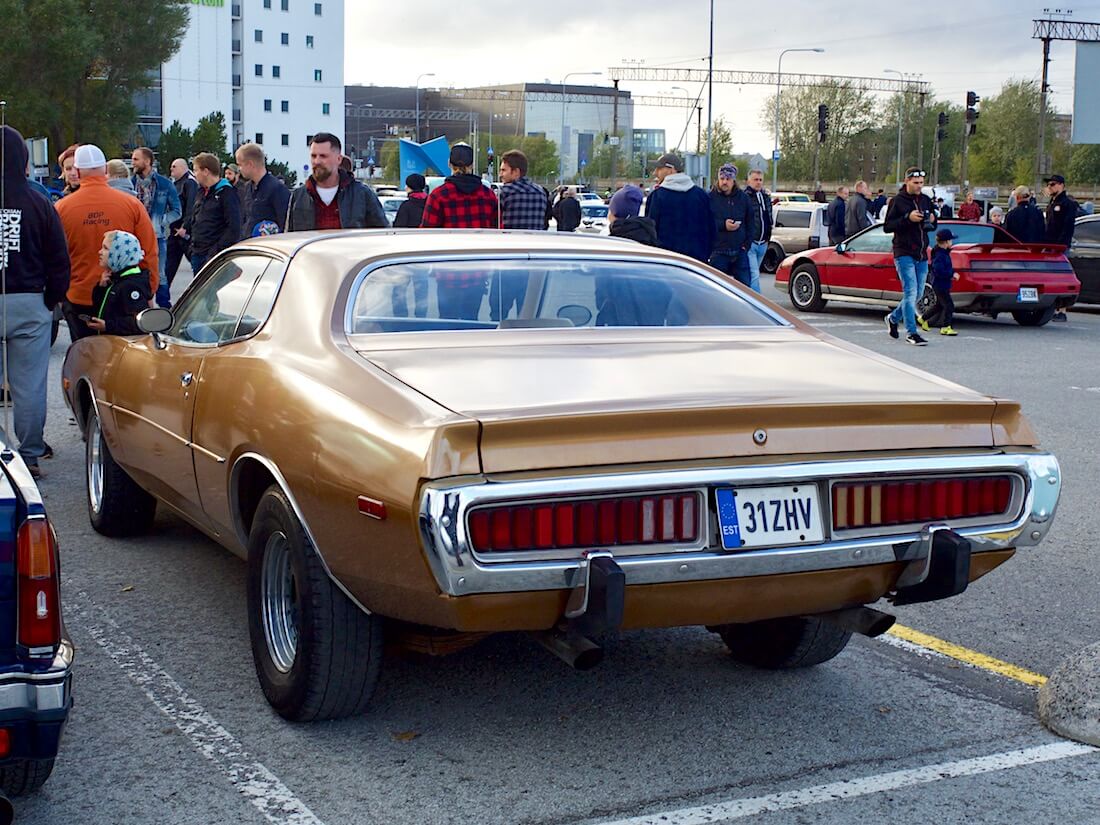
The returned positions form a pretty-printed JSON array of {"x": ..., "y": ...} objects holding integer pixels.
[{"x": 39, "y": 618}]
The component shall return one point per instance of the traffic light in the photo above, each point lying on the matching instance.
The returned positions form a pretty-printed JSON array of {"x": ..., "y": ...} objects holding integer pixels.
[
  {"x": 972, "y": 121},
  {"x": 942, "y": 119},
  {"x": 971, "y": 100},
  {"x": 941, "y": 134},
  {"x": 822, "y": 122}
]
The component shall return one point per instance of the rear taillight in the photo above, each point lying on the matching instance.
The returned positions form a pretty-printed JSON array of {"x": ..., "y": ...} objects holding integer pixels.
[
  {"x": 39, "y": 604},
  {"x": 587, "y": 524},
  {"x": 918, "y": 501}
]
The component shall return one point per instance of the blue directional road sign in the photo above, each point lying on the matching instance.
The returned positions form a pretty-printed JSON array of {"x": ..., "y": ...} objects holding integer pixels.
[
  {"x": 370, "y": 161},
  {"x": 775, "y": 154}
]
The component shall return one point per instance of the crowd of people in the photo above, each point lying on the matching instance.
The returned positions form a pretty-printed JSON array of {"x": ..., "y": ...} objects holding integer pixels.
[{"x": 115, "y": 241}]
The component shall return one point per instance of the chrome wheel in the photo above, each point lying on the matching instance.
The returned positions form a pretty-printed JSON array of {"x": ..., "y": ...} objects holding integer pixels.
[
  {"x": 95, "y": 465},
  {"x": 803, "y": 289},
  {"x": 278, "y": 599}
]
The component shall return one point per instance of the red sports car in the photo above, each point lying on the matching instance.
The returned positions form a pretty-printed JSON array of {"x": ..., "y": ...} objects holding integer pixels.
[{"x": 996, "y": 273}]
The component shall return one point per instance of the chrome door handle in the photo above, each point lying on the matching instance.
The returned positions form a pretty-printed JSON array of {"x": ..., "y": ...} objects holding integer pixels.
[{"x": 185, "y": 379}]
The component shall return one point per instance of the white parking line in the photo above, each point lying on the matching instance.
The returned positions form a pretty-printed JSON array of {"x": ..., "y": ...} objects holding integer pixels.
[
  {"x": 263, "y": 789},
  {"x": 852, "y": 788}
]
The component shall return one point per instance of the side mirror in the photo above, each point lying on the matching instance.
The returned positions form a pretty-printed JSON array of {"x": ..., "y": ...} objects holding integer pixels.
[
  {"x": 576, "y": 314},
  {"x": 155, "y": 320},
  {"x": 841, "y": 248}
]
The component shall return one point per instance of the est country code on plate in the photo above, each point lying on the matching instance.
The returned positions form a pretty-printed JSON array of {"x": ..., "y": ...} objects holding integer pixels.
[{"x": 769, "y": 516}]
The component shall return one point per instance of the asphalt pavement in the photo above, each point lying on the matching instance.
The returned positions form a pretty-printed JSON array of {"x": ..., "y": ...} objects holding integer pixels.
[{"x": 169, "y": 725}]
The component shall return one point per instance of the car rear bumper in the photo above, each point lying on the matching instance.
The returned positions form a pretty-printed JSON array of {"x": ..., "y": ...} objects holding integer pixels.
[
  {"x": 1009, "y": 301},
  {"x": 458, "y": 571},
  {"x": 35, "y": 706}
]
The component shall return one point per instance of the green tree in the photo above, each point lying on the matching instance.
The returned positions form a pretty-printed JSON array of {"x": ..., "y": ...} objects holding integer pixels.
[
  {"x": 209, "y": 134},
  {"x": 280, "y": 169},
  {"x": 542, "y": 155},
  {"x": 1003, "y": 150},
  {"x": 390, "y": 159},
  {"x": 70, "y": 70},
  {"x": 175, "y": 142},
  {"x": 1084, "y": 165}
]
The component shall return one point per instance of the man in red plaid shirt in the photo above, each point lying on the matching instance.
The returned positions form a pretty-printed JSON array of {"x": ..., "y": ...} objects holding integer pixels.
[{"x": 462, "y": 202}]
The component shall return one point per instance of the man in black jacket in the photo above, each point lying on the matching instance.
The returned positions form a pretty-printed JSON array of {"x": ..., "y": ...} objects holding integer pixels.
[
  {"x": 215, "y": 222},
  {"x": 411, "y": 212},
  {"x": 34, "y": 260},
  {"x": 834, "y": 216},
  {"x": 265, "y": 198},
  {"x": 331, "y": 198},
  {"x": 856, "y": 217},
  {"x": 760, "y": 228},
  {"x": 909, "y": 219},
  {"x": 729, "y": 208},
  {"x": 178, "y": 245},
  {"x": 1024, "y": 221},
  {"x": 567, "y": 211},
  {"x": 1061, "y": 216}
]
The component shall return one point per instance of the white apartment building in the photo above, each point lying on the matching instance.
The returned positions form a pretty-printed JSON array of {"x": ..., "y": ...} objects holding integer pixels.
[{"x": 274, "y": 68}]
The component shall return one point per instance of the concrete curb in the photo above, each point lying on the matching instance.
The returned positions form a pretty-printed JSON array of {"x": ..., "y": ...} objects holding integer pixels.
[{"x": 1069, "y": 702}]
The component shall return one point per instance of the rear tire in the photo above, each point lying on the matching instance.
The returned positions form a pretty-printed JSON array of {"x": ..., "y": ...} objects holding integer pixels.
[
  {"x": 929, "y": 309},
  {"x": 117, "y": 506},
  {"x": 25, "y": 776},
  {"x": 781, "y": 644},
  {"x": 317, "y": 654},
  {"x": 773, "y": 256},
  {"x": 805, "y": 289},
  {"x": 1033, "y": 317}
]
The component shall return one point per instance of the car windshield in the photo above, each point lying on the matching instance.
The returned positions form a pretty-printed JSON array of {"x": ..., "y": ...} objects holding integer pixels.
[
  {"x": 594, "y": 210},
  {"x": 510, "y": 294},
  {"x": 796, "y": 198}
]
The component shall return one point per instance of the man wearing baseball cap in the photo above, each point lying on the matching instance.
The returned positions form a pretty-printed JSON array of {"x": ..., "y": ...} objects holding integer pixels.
[
  {"x": 680, "y": 210},
  {"x": 461, "y": 202},
  {"x": 87, "y": 215},
  {"x": 908, "y": 219},
  {"x": 1061, "y": 216}
]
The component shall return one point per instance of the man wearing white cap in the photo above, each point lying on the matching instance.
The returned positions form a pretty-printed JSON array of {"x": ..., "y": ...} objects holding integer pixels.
[{"x": 98, "y": 210}]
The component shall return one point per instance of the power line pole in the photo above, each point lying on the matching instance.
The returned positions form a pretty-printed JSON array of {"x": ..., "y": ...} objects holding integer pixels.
[
  {"x": 710, "y": 98},
  {"x": 615, "y": 134},
  {"x": 1040, "y": 161},
  {"x": 920, "y": 130}
]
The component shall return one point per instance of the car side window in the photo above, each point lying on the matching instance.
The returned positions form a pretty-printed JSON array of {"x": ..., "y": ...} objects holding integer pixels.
[
  {"x": 211, "y": 311},
  {"x": 793, "y": 218},
  {"x": 261, "y": 301},
  {"x": 873, "y": 240},
  {"x": 1087, "y": 232}
]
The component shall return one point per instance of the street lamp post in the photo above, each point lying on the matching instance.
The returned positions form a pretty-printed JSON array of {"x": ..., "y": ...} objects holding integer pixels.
[
  {"x": 426, "y": 74},
  {"x": 561, "y": 147},
  {"x": 778, "y": 81},
  {"x": 901, "y": 104}
]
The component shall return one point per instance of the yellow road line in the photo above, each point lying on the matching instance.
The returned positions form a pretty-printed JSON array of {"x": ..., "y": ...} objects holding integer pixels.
[{"x": 970, "y": 657}]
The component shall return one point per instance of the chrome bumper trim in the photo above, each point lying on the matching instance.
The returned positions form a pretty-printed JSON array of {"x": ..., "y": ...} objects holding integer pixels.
[{"x": 443, "y": 507}]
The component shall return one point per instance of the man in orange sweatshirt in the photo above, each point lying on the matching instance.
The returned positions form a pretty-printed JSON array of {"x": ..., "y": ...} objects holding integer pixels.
[{"x": 87, "y": 215}]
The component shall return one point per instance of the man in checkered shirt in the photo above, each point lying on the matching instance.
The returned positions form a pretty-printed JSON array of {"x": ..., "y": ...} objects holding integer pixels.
[
  {"x": 462, "y": 202},
  {"x": 523, "y": 205}
]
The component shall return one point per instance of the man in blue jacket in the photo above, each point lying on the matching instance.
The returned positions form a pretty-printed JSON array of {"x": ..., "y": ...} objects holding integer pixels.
[
  {"x": 268, "y": 198},
  {"x": 680, "y": 210},
  {"x": 34, "y": 261},
  {"x": 162, "y": 202},
  {"x": 730, "y": 208}
]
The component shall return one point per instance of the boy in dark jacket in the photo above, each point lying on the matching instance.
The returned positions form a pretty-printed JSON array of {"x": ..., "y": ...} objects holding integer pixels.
[
  {"x": 729, "y": 207},
  {"x": 125, "y": 288},
  {"x": 943, "y": 274},
  {"x": 411, "y": 212}
]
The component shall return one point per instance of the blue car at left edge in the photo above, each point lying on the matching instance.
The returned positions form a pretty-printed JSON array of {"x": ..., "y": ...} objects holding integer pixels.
[{"x": 36, "y": 653}]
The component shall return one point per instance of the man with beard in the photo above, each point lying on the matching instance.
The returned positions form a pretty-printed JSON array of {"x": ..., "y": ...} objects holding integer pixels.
[
  {"x": 331, "y": 198},
  {"x": 162, "y": 202}
]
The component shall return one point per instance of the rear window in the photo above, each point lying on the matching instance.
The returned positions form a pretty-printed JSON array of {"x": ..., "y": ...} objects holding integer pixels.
[
  {"x": 974, "y": 233},
  {"x": 793, "y": 218},
  {"x": 502, "y": 294}
]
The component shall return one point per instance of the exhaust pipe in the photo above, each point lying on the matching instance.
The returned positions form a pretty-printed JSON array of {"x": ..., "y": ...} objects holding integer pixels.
[
  {"x": 864, "y": 620},
  {"x": 579, "y": 652}
]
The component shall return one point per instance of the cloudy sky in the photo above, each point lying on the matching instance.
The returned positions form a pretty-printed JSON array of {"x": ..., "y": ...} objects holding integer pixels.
[{"x": 976, "y": 44}]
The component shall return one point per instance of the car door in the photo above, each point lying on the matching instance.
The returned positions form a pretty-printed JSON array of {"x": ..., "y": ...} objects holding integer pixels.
[
  {"x": 1085, "y": 257},
  {"x": 160, "y": 378},
  {"x": 864, "y": 268}
]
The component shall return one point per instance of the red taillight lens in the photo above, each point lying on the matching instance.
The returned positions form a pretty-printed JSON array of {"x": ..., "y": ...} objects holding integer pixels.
[
  {"x": 883, "y": 504},
  {"x": 36, "y": 564},
  {"x": 587, "y": 524}
]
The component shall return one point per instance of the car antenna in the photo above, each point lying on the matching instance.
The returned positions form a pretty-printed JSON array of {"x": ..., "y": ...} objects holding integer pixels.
[{"x": 6, "y": 455}]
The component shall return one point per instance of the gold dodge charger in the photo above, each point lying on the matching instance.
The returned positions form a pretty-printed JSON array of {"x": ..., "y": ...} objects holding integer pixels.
[{"x": 435, "y": 435}]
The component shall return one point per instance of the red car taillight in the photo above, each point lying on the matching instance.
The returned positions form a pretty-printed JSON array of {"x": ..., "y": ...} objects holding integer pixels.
[
  {"x": 587, "y": 524},
  {"x": 882, "y": 504},
  {"x": 36, "y": 567}
]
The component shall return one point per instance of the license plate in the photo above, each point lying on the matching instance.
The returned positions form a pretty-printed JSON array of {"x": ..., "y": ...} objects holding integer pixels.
[
  {"x": 769, "y": 516},
  {"x": 1028, "y": 295}
]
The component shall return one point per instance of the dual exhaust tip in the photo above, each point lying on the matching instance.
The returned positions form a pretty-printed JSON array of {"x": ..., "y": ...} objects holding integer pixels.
[{"x": 581, "y": 653}]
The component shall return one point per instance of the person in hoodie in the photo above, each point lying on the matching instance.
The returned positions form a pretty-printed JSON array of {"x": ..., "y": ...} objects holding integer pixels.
[
  {"x": 680, "y": 210},
  {"x": 161, "y": 200},
  {"x": 124, "y": 288},
  {"x": 623, "y": 217},
  {"x": 730, "y": 207},
  {"x": 461, "y": 202},
  {"x": 35, "y": 262},
  {"x": 909, "y": 217},
  {"x": 331, "y": 198},
  {"x": 118, "y": 177},
  {"x": 215, "y": 222},
  {"x": 411, "y": 212}
]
